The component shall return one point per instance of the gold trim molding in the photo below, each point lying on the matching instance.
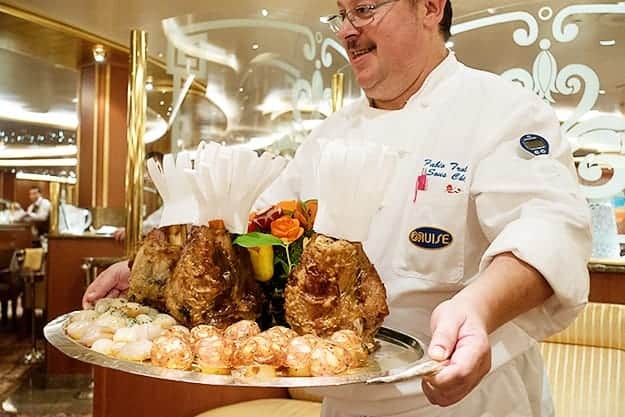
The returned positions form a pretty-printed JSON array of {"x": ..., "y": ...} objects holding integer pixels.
[{"x": 68, "y": 29}]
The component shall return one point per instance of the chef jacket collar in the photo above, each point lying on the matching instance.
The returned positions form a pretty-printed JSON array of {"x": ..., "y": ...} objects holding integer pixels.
[{"x": 440, "y": 74}]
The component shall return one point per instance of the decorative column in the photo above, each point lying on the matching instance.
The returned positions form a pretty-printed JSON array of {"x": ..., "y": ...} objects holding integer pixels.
[
  {"x": 102, "y": 131},
  {"x": 137, "y": 105}
]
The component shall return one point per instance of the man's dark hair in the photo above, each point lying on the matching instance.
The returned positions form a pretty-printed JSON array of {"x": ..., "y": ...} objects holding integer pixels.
[
  {"x": 446, "y": 22},
  {"x": 36, "y": 187}
]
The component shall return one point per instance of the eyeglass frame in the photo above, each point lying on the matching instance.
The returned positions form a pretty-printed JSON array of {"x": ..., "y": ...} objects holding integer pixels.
[{"x": 349, "y": 15}]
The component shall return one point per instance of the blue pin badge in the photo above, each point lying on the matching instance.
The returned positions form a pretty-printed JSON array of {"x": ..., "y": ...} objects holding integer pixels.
[{"x": 535, "y": 145}]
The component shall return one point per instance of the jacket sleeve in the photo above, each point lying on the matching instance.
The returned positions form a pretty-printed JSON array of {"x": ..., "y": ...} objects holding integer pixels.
[{"x": 533, "y": 208}]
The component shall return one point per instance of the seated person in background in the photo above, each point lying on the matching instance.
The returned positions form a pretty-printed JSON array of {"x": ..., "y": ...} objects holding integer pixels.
[{"x": 37, "y": 213}]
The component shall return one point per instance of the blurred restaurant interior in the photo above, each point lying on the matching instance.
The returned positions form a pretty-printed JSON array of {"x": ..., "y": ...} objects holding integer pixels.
[{"x": 257, "y": 75}]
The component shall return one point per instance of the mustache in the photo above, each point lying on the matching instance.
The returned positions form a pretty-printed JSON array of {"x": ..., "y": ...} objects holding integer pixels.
[{"x": 353, "y": 45}]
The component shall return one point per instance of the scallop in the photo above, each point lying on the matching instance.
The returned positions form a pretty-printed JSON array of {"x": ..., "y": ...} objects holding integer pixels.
[
  {"x": 328, "y": 359},
  {"x": 103, "y": 305},
  {"x": 111, "y": 321},
  {"x": 242, "y": 330},
  {"x": 93, "y": 333},
  {"x": 77, "y": 329},
  {"x": 164, "y": 320},
  {"x": 214, "y": 354},
  {"x": 150, "y": 311},
  {"x": 171, "y": 352},
  {"x": 133, "y": 309},
  {"x": 143, "y": 319},
  {"x": 103, "y": 346},
  {"x": 136, "y": 351},
  {"x": 353, "y": 344},
  {"x": 126, "y": 334},
  {"x": 106, "y": 304},
  {"x": 83, "y": 315}
]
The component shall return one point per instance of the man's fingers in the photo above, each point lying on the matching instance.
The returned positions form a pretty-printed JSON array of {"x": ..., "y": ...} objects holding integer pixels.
[
  {"x": 444, "y": 336},
  {"x": 114, "y": 293},
  {"x": 471, "y": 361}
]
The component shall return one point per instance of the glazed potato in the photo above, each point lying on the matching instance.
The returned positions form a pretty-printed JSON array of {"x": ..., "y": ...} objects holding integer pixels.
[
  {"x": 202, "y": 332},
  {"x": 241, "y": 330},
  {"x": 180, "y": 332},
  {"x": 260, "y": 350},
  {"x": 171, "y": 352},
  {"x": 283, "y": 331},
  {"x": 353, "y": 344},
  {"x": 214, "y": 354},
  {"x": 329, "y": 359},
  {"x": 299, "y": 354}
]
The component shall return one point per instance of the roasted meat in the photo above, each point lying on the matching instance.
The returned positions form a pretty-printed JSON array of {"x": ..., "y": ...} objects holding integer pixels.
[
  {"x": 153, "y": 265},
  {"x": 213, "y": 283},
  {"x": 335, "y": 287}
]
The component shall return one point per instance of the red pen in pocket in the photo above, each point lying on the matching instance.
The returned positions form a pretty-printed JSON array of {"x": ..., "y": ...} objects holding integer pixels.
[{"x": 420, "y": 185}]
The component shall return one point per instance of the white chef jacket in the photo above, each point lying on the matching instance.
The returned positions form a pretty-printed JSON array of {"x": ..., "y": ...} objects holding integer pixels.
[
  {"x": 39, "y": 210},
  {"x": 462, "y": 129}
]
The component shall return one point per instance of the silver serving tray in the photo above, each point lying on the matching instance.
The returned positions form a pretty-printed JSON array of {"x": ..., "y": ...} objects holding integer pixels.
[{"x": 399, "y": 354}]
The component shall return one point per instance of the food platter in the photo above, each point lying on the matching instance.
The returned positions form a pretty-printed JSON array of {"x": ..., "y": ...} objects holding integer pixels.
[{"x": 399, "y": 354}]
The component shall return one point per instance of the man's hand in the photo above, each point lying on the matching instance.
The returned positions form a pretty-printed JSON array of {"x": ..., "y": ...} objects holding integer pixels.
[
  {"x": 120, "y": 234},
  {"x": 460, "y": 335},
  {"x": 112, "y": 282}
]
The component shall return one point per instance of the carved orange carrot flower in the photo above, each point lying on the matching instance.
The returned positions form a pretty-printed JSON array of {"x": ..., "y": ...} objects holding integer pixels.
[{"x": 286, "y": 228}]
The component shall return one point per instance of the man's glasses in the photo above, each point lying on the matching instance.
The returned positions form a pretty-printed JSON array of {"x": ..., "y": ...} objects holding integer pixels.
[{"x": 359, "y": 16}]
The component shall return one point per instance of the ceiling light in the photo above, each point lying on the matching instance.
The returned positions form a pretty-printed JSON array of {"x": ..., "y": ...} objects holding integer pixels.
[
  {"x": 162, "y": 103},
  {"x": 56, "y": 162},
  {"x": 255, "y": 46},
  {"x": 602, "y": 92},
  {"x": 42, "y": 177},
  {"x": 264, "y": 12},
  {"x": 37, "y": 151},
  {"x": 149, "y": 84},
  {"x": 75, "y": 100},
  {"x": 99, "y": 53},
  {"x": 609, "y": 42},
  {"x": 16, "y": 111},
  {"x": 160, "y": 54}
]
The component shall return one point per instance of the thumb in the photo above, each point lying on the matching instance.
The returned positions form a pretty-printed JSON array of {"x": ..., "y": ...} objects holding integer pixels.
[{"x": 445, "y": 328}]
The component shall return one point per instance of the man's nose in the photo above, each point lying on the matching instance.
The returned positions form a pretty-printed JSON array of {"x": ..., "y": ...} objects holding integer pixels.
[{"x": 347, "y": 30}]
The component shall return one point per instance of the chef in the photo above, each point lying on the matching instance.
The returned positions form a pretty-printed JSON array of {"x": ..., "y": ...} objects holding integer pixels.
[{"x": 483, "y": 238}]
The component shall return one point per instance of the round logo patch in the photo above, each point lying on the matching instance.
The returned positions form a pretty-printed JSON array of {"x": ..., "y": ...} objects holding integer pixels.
[{"x": 430, "y": 238}]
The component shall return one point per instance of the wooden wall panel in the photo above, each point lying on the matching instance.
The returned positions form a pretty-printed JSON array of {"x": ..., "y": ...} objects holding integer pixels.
[
  {"x": 120, "y": 394},
  {"x": 607, "y": 287},
  {"x": 66, "y": 285},
  {"x": 86, "y": 139}
]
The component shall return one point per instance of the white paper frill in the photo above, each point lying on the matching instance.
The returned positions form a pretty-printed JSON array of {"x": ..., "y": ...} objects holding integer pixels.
[
  {"x": 353, "y": 178},
  {"x": 227, "y": 181},
  {"x": 173, "y": 185}
]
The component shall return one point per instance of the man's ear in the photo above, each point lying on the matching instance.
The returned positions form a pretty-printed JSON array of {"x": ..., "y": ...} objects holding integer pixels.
[{"x": 434, "y": 12}]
